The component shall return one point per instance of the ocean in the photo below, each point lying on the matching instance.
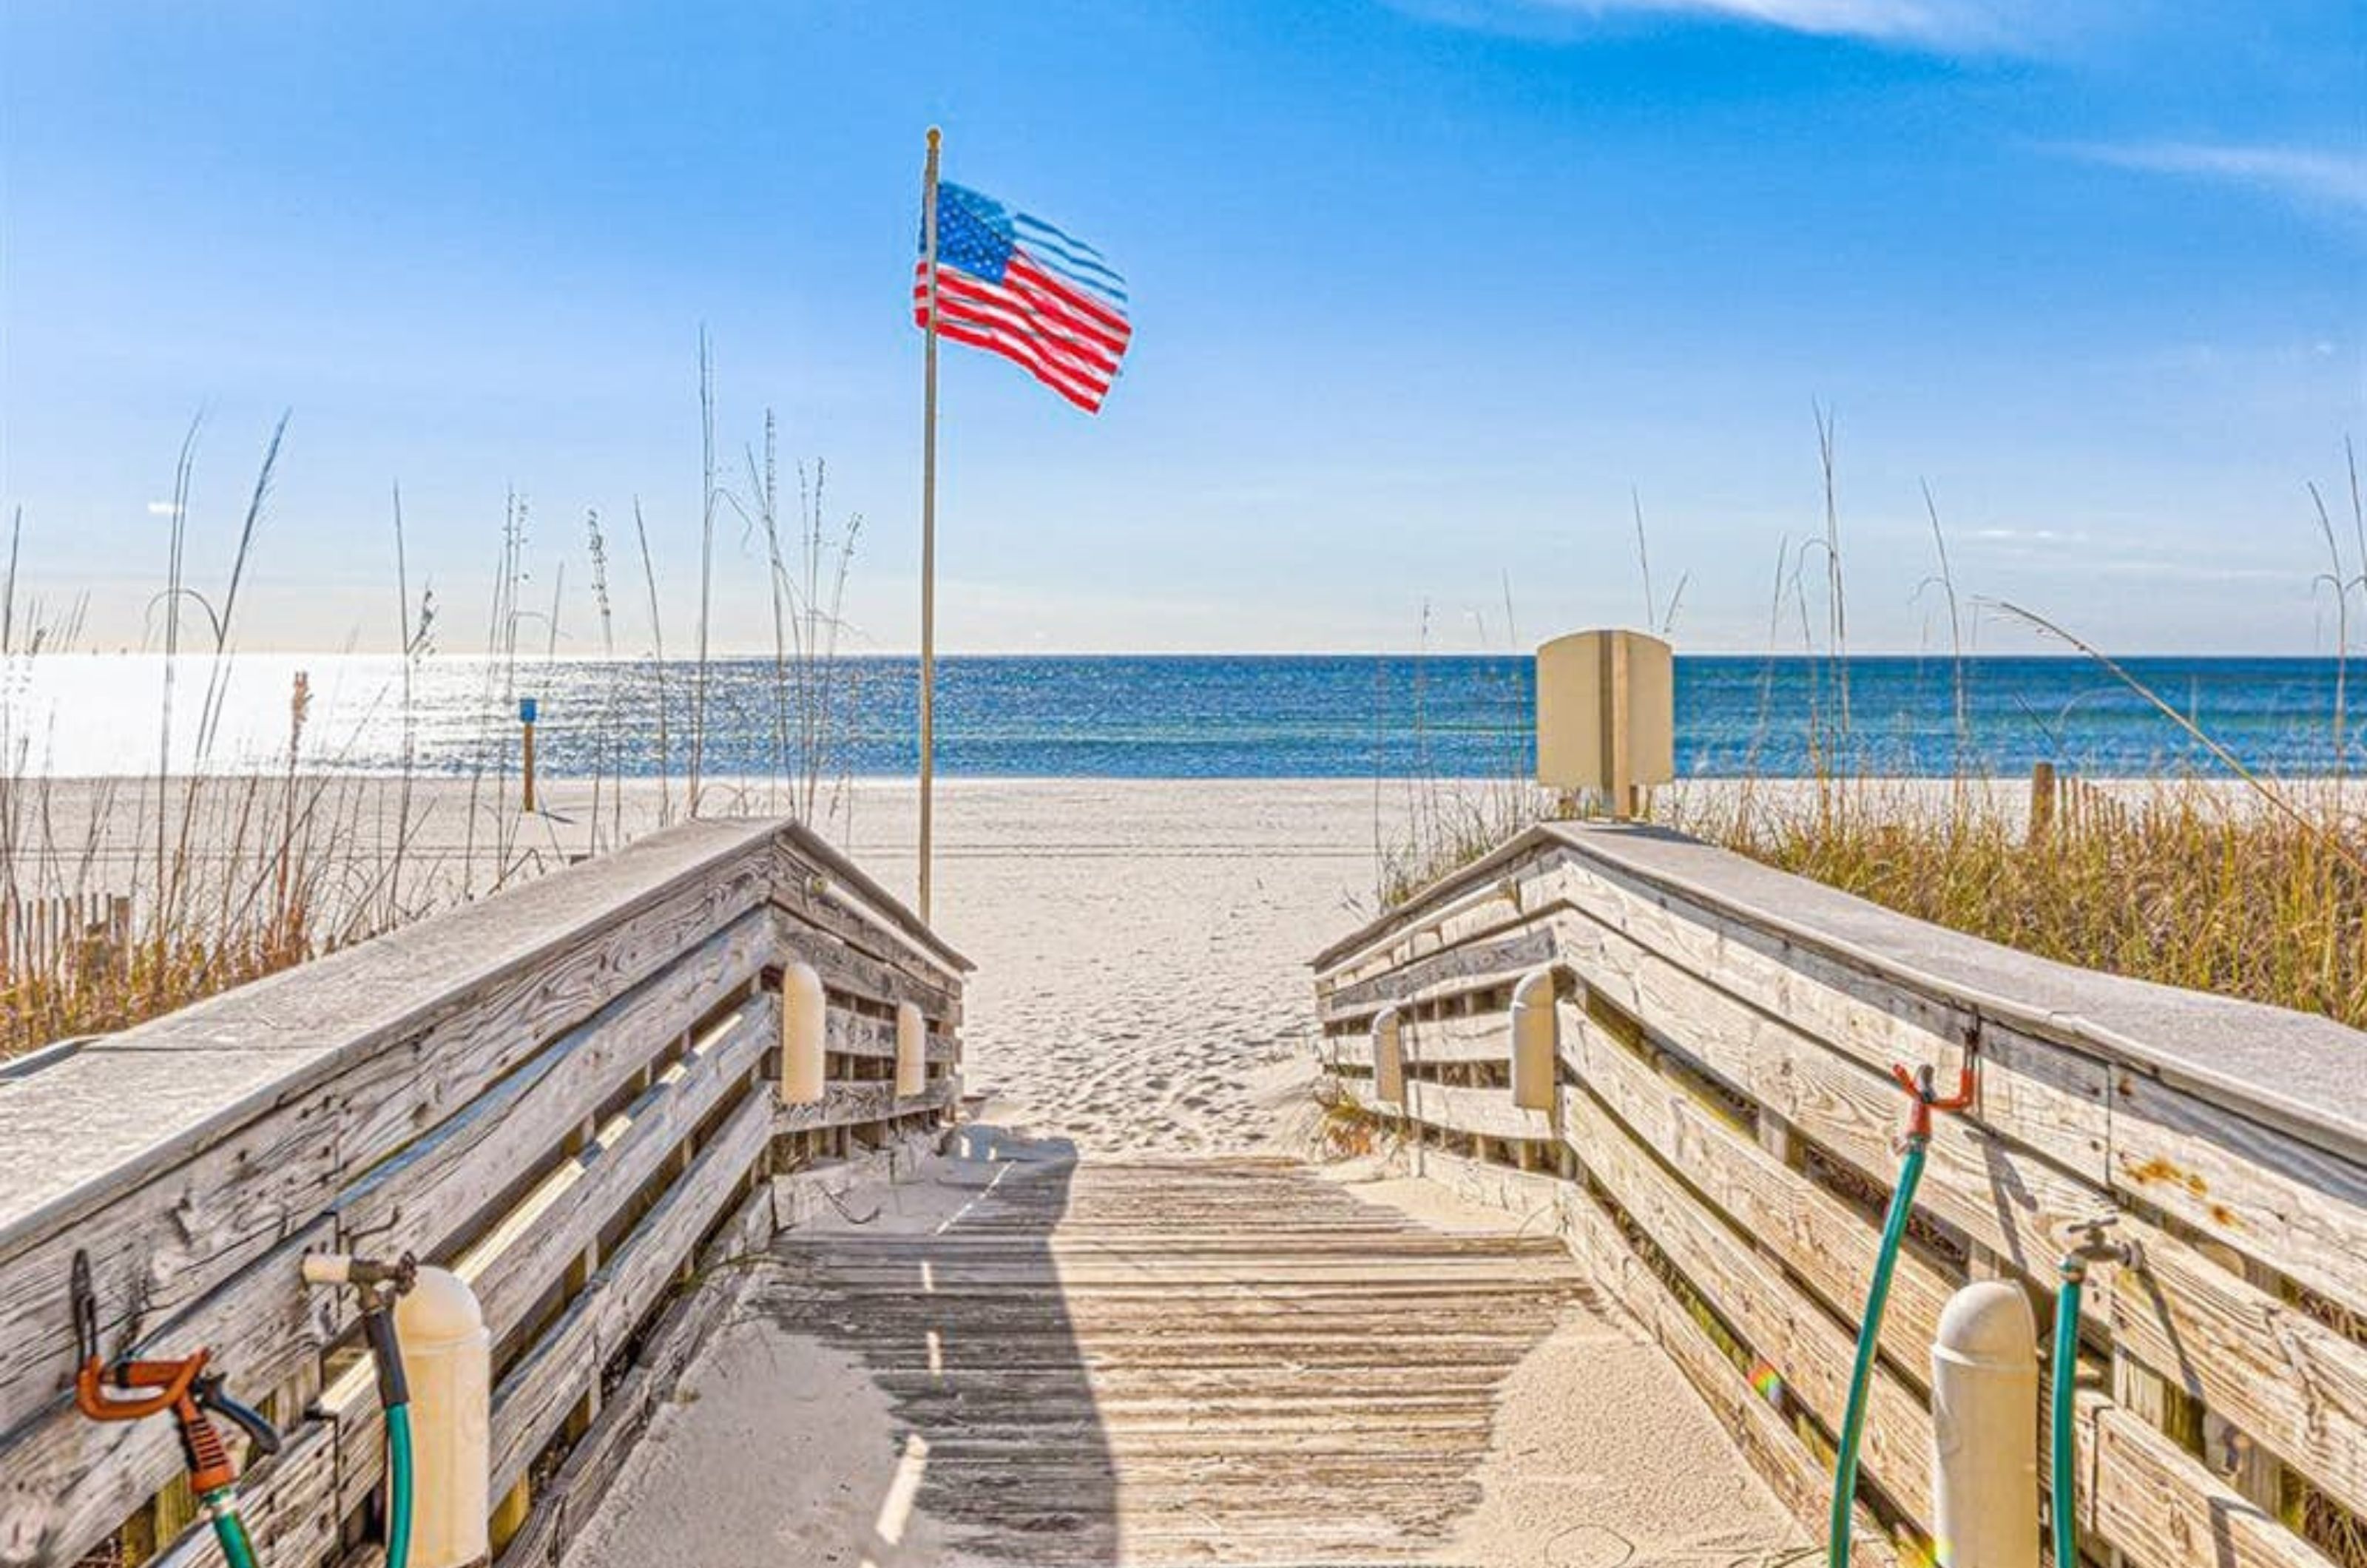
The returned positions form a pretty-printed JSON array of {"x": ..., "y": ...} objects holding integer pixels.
[{"x": 1171, "y": 716}]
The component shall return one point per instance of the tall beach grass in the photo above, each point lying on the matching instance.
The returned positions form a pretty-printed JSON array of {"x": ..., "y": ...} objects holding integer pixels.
[{"x": 125, "y": 899}]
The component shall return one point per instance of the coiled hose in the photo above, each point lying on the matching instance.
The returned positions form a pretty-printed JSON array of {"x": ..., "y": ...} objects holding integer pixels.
[{"x": 1869, "y": 1334}]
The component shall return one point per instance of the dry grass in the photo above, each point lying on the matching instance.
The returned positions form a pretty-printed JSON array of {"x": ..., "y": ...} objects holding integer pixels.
[
  {"x": 2177, "y": 882},
  {"x": 156, "y": 892}
]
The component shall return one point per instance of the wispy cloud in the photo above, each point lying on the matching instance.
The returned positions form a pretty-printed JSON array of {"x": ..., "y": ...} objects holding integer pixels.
[
  {"x": 1951, "y": 26},
  {"x": 162, "y": 509},
  {"x": 2313, "y": 175}
]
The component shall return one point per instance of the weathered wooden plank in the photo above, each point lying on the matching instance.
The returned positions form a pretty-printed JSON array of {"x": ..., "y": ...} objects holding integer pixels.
[
  {"x": 2283, "y": 1068},
  {"x": 874, "y": 905},
  {"x": 288, "y": 1507},
  {"x": 566, "y": 1505},
  {"x": 1790, "y": 1332},
  {"x": 1829, "y": 1243},
  {"x": 2018, "y": 1205},
  {"x": 2051, "y": 1102},
  {"x": 849, "y": 1033},
  {"x": 850, "y": 969},
  {"x": 2281, "y": 1375},
  {"x": 1506, "y": 957},
  {"x": 521, "y": 1261},
  {"x": 434, "y": 1189},
  {"x": 1487, "y": 1112},
  {"x": 1467, "y": 904},
  {"x": 324, "y": 1012},
  {"x": 380, "y": 1043},
  {"x": 66, "y": 1482},
  {"x": 2162, "y": 1506},
  {"x": 1472, "y": 1037},
  {"x": 2265, "y": 1193},
  {"x": 844, "y": 1103},
  {"x": 536, "y": 1395}
]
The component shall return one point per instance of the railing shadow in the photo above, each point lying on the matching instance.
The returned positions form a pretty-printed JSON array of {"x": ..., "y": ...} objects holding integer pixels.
[{"x": 955, "y": 1307}]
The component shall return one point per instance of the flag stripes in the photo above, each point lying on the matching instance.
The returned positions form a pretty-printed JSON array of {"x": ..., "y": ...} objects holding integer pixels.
[{"x": 1018, "y": 286}]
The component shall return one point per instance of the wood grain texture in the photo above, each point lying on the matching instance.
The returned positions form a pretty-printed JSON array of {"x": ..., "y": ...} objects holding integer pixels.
[
  {"x": 64, "y": 1481},
  {"x": 1825, "y": 1241},
  {"x": 534, "y": 1397},
  {"x": 194, "y": 1199},
  {"x": 439, "y": 1184},
  {"x": 2244, "y": 1126},
  {"x": 1788, "y": 1331},
  {"x": 408, "y": 1087},
  {"x": 2158, "y": 1504},
  {"x": 630, "y": 1151}
]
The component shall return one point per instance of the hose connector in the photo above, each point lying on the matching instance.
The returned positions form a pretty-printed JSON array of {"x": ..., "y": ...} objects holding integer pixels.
[
  {"x": 368, "y": 1275},
  {"x": 380, "y": 1284},
  {"x": 2090, "y": 1247},
  {"x": 1924, "y": 1097}
]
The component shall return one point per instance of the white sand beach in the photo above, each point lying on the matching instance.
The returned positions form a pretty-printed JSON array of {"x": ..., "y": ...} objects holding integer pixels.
[{"x": 1140, "y": 945}]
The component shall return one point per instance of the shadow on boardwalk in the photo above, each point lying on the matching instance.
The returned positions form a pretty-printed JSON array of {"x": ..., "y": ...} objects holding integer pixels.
[
  {"x": 1178, "y": 1360},
  {"x": 963, "y": 1321}
]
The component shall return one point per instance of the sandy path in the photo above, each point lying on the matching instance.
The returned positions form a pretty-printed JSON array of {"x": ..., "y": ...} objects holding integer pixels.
[{"x": 1141, "y": 948}]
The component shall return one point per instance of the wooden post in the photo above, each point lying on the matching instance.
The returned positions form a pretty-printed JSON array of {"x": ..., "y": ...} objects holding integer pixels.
[
  {"x": 525, "y": 721},
  {"x": 2042, "y": 801}
]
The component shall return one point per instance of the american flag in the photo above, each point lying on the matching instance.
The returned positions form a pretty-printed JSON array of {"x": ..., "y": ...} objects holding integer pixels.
[{"x": 1017, "y": 287}]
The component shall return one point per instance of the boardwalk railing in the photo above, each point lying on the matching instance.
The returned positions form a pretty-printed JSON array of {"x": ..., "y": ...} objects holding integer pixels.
[
  {"x": 1681, "y": 1058},
  {"x": 569, "y": 1094}
]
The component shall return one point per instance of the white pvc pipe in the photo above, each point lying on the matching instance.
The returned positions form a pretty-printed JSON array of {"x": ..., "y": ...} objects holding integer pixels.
[
  {"x": 1984, "y": 1421},
  {"x": 1536, "y": 1038},
  {"x": 802, "y": 1020},
  {"x": 911, "y": 1050},
  {"x": 447, "y": 1358}
]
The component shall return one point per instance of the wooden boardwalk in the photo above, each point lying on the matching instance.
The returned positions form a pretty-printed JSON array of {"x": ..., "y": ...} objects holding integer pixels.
[{"x": 1184, "y": 1361}]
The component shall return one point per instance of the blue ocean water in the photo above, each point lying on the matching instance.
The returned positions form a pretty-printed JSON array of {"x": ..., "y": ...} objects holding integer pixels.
[{"x": 1195, "y": 716}]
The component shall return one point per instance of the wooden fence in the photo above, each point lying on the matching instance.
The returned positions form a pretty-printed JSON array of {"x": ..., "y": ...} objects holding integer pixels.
[
  {"x": 564, "y": 1093},
  {"x": 1680, "y": 1057},
  {"x": 77, "y": 936}
]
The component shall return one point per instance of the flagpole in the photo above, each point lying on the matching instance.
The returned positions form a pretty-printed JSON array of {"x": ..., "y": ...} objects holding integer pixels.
[{"x": 929, "y": 522}]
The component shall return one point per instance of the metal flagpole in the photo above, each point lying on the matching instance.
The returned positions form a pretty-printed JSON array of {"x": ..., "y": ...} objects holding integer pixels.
[{"x": 929, "y": 522}]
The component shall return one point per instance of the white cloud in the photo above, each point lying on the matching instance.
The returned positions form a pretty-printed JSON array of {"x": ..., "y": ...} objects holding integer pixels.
[
  {"x": 1979, "y": 25},
  {"x": 162, "y": 509},
  {"x": 2309, "y": 174}
]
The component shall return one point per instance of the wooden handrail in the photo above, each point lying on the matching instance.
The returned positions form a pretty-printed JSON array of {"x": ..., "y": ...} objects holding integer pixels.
[
  {"x": 1724, "y": 1053},
  {"x": 448, "y": 1089}
]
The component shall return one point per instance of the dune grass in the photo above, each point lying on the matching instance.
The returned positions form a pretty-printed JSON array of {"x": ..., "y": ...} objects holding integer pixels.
[
  {"x": 122, "y": 900},
  {"x": 2177, "y": 882}
]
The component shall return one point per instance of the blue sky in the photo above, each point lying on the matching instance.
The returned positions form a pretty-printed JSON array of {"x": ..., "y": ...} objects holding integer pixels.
[{"x": 1423, "y": 291}]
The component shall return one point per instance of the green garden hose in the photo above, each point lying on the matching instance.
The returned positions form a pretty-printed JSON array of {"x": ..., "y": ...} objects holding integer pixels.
[
  {"x": 380, "y": 1284},
  {"x": 399, "y": 1474},
  {"x": 394, "y": 1398},
  {"x": 237, "y": 1550},
  {"x": 2064, "y": 1370},
  {"x": 1869, "y": 1334}
]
